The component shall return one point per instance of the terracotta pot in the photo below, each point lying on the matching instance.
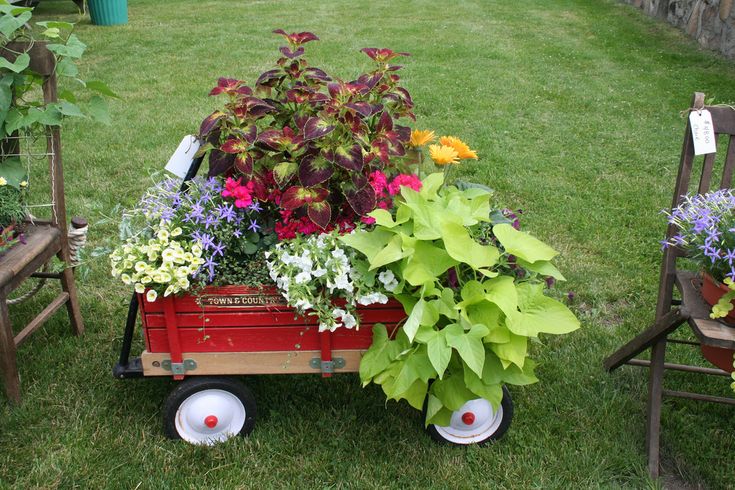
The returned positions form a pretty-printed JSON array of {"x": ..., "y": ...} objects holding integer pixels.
[{"x": 712, "y": 291}]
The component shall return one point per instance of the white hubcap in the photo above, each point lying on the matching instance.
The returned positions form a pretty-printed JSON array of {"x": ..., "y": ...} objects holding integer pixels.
[
  {"x": 474, "y": 422},
  {"x": 210, "y": 416}
]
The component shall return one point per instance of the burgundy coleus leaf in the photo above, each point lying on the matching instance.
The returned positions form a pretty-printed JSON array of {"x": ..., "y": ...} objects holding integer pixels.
[
  {"x": 230, "y": 86},
  {"x": 370, "y": 80},
  {"x": 404, "y": 133},
  {"x": 297, "y": 196},
  {"x": 320, "y": 213},
  {"x": 298, "y": 95},
  {"x": 359, "y": 180},
  {"x": 385, "y": 123},
  {"x": 382, "y": 55},
  {"x": 258, "y": 107},
  {"x": 269, "y": 78},
  {"x": 300, "y": 121},
  {"x": 270, "y": 138},
  {"x": 209, "y": 123},
  {"x": 349, "y": 158},
  {"x": 297, "y": 38},
  {"x": 336, "y": 89},
  {"x": 317, "y": 74},
  {"x": 380, "y": 147},
  {"x": 234, "y": 145},
  {"x": 288, "y": 53},
  {"x": 361, "y": 200},
  {"x": 318, "y": 98},
  {"x": 219, "y": 162},
  {"x": 314, "y": 170},
  {"x": 244, "y": 164},
  {"x": 294, "y": 69},
  {"x": 315, "y": 128},
  {"x": 363, "y": 108}
]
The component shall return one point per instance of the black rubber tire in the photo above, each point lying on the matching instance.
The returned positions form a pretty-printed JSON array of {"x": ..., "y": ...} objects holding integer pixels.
[
  {"x": 506, "y": 404},
  {"x": 196, "y": 384}
]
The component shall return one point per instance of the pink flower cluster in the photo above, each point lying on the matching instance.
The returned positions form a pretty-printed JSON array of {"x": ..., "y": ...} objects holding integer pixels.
[
  {"x": 243, "y": 194},
  {"x": 384, "y": 189}
]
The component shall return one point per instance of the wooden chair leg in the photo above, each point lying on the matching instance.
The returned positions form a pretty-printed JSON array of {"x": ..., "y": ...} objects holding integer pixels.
[
  {"x": 653, "y": 420},
  {"x": 7, "y": 354},
  {"x": 72, "y": 305}
]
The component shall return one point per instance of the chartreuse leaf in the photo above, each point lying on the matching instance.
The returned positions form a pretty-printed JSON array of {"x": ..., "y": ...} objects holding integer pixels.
[
  {"x": 512, "y": 352},
  {"x": 415, "y": 365},
  {"x": 444, "y": 304},
  {"x": 426, "y": 263},
  {"x": 369, "y": 243},
  {"x": 426, "y": 218},
  {"x": 520, "y": 377},
  {"x": 392, "y": 252},
  {"x": 436, "y": 412},
  {"x": 74, "y": 48},
  {"x": 490, "y": 392},
  {"x": 462, "y": 247},
  {"x": 469, "y": 345},
  {"x": 543, "y": 267},
  {"x": 522, "y": 245},
  {"x": 414, "y": 319},
  {"x": 472, "y": 292},
  {"x": 540, "y": 314},
  {"x": 416, "y": 394},
  {"x": 452, "y": 392},
  {"x": 380, "y": 354},
  {"x": 439, "y": 353},
  {"x": 431, "y": 184},
  {"x": 502, "y": 292}
]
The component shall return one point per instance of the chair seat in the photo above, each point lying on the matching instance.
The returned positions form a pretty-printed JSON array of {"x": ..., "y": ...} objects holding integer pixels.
[{"x": 41, "y": 243}]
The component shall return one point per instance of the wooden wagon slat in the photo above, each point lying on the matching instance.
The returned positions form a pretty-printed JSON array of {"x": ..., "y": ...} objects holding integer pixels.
[{"x": 227, "y": 363}]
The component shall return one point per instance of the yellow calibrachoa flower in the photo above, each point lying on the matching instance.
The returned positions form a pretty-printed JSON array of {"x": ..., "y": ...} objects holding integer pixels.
[
  {"x": 463, "y": 151},
  {"x": 420, "y": 137},
  {"x": 3, "y": 181},
  {"x": 443, "y": 155}
]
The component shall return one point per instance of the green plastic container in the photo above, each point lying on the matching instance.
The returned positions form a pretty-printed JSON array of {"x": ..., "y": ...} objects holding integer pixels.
[{"x": 108, "y": 12}]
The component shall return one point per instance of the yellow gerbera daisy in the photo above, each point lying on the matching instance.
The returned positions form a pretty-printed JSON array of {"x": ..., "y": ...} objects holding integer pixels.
[
  {"x": 443, "y": 155},
  {"x": 420, "y": 137},
  {"x": 463, "y": 151}
]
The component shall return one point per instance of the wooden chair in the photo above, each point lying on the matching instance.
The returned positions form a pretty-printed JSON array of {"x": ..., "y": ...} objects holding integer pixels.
[
  {"x": 671, "y": 313},
  {"x": 44, "y": 239}
]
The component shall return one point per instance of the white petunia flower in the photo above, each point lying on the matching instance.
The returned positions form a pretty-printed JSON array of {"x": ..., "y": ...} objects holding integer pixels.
[{"x": 151, "y": 296}]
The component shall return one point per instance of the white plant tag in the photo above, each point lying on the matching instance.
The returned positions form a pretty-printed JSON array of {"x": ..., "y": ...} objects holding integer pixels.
[
  {"x": 703, "y": 132},
  {"x": 182, "y": 158}
]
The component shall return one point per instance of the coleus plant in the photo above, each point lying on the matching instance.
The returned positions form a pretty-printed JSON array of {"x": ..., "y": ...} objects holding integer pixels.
[
  {"x": 317, "y": 137},
  {"x": 473, "y": 288}
]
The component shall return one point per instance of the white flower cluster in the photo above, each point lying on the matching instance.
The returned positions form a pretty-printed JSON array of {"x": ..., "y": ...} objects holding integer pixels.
[
  {"x": 158, "y": 262},
  {"x": 312, "y": 272}
]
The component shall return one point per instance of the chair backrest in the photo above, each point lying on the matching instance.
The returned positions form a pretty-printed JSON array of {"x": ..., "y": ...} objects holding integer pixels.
[{"x": 720, "y": 164}]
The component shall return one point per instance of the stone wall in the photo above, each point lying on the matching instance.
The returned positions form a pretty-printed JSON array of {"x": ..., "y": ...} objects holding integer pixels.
[{"x": 710, "y": 22}]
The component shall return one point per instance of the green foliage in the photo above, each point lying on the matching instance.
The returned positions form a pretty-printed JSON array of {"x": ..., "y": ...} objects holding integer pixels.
[
  {"x": 21, "y": 107},
  {"x": 469, "y": 317},
  {"x": 12, "y": 207}
]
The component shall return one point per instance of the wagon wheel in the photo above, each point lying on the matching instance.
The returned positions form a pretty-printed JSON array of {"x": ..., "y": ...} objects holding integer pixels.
[
  {"x": 208, "y": 410},
  {"x": 476, "y": 422}
]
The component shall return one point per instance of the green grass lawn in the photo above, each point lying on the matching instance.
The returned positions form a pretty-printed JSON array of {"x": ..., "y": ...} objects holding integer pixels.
[{"x": 573, "y": 106}]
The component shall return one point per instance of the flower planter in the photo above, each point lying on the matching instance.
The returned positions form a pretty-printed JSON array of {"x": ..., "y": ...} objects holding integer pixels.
[
  {"x": 712, "y": 291},
  {"x": 721, "y": 357},
  {"x": 244, "y": 330}
]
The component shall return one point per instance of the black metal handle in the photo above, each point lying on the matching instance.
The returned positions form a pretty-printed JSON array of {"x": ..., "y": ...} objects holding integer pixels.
[{"x": 121, "y": 369}]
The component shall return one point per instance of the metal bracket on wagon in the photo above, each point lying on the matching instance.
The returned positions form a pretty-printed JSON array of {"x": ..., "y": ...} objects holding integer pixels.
[
  {"x": 327, "y": 366},
  {"x": 179, "y": 367}
]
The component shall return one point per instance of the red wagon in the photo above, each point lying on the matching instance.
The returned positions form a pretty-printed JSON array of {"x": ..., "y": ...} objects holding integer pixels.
[{"x": 204, "y": 339}]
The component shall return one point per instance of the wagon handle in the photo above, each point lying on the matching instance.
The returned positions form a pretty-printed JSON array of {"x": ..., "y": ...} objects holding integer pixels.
[{"x": 123, "y": 369}]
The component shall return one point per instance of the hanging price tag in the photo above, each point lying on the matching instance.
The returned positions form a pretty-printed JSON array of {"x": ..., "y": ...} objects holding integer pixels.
[
  {"x": 703, "y": 132},
  {"x": 182, "y": 158}
]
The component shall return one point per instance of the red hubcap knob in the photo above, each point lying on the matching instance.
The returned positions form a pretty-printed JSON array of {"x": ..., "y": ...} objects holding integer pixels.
[
  {"x": 211, "y": 421},
  {"x": 468, "y": 418}
]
